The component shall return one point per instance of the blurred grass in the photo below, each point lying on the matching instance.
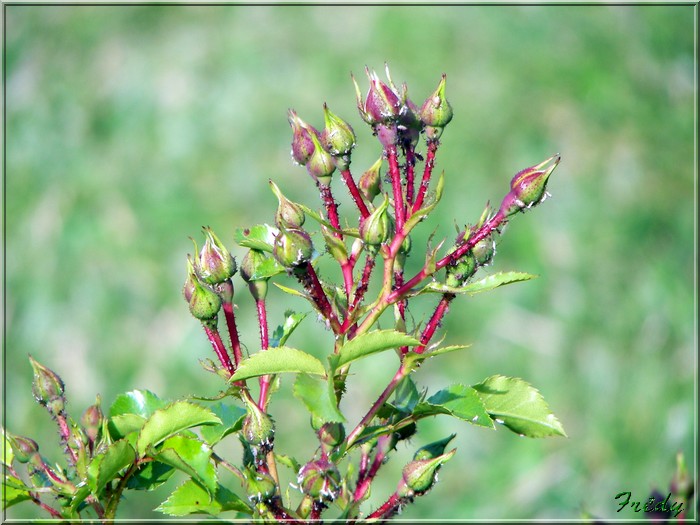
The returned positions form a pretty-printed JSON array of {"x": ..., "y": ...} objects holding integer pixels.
[{"x": 129, "y": 127}]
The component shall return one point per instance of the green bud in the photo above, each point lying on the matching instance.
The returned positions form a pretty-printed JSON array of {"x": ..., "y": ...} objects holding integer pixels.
[
  {"x": 320, "y": 480},
  {"x": 292, "y": 248},
  {"x": 419, "y": 476},
  {"x": 92, "y": 420},
  {"x": 302, "y": 143},
  {"x": 436, "y": 111},
  {"x": 461, "y": 271},
  {"x": 320, "y": 165},
  {"x": 330, "y": 434},
  {"x": 258, "y": 429},
  {"x": 371, "y": 182},
  {"x": 289, "y": 214},
  {"x": 334, "y": 245},
  {"x": 484, "y": 250},
  {"x": 203, "y": 301},
  {"x": 378, "y": 227},
  {"x": 249, "y": 267},
  {"x": 260, "y": 486},
  {"x": 48, "y": 388},
  {"x": 433, "y": 450},
  {"x": 337, "y": 137},
  {"x": 528, "y": 187},
  {"x": 24, "y": 448},
  {"x": 215, "y": 262}
]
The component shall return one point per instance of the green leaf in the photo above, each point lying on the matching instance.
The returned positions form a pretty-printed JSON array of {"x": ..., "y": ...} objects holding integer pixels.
[
  {"x": 288, "y": 461},
  {"x": 457, "y": 400},
  {"x": 519, "y": 406},
  {"x": 282, "y": 332},
  {"x": 483, "y": 285},
  {"x": 231, "y": 417},
  {"x": 150, "y": 476},
  {"x": 170, "y": 420},
  {"x": 105, "y": 466},
  {"x": 269, "y": 267},
  {"x": 277, "y": 361},
  {"x": 419, "y": 215},
  {"x": 14, "y": 491},
  {"x": 291, "y": 291},
  {"x": 191, "y": 456},
  {"x": 352, "y": 232},
  {"x": 8, "y": 456},
  {"x": 370, "y": 343},
  {"x": 260, "y": 237},
  {"x": 406, "y": 395},
  {"x": 318, "y": 396},
  {"x": 191, "y": 498},
  {"x": 122, "y": 425},
  {"x": 140, "y": 402}
]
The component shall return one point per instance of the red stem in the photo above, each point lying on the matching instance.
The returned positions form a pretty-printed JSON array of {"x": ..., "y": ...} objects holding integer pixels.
[
  {"x": 365, "y": 478},
  {"x": 399, "y": 205},
  {"x": 331, "y": 207},
  {"x": 388, "y": 509},
  {"x": 427, "y": 173},
  {"x": 355, "y": 193},
  {"x": 410, "y": 175},
  {"x": 219, "y": 348},
  {"x": 442, "y": 308},
  {"x": 264, "y": 345},
  {"x": 64, "y": 431},
  {"x": 233, "y": 332},
  {"x": 398, "y": 281},
  {"x": 360, "y": 291},
  {"x": 309, "y": 280}
]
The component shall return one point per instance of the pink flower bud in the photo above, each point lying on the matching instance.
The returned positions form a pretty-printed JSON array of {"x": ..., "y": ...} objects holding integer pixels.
[
  {"x": 528, "y": 187},
  {"x": 48, "y": 388},
  {"x": 320, "y": 480},
  {"x": 216, "y": 264},
  {"x": 302, "y": 145}
]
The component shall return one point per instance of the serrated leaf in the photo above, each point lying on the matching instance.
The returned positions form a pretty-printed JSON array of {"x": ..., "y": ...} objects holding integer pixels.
[
  {"x": 276, "y": 361},
  {"x": 460, "y": 401},
  {"x": 269, "y": 267},
  {"x": 14, "y": 491},
  {"x": 370, "y": 343},
  {"x": 259, "y": 237},
  {"x": 445, "y": 350},
  {"x": 170, "y": 420},
  {"x": 288, "y": 461},
  {"x": 231, "y": 417},
  {"x": 191, "y": 498},
  {"x": 124, "y": 424},
  {"x": 150, "y": 476},
  {"x": 483, "y": 285},
  {"x": 290, "y": 291},
  {"x": 191, "y": 456},
  {"x": 319, "y": 398},
  {"x": 519, "y": 406},
  {"x": 105, "y": 466},
  {"x": 282, "y": 332},
  {"x": 140, "y": 402},
  {"x": 406, "y": 395}
]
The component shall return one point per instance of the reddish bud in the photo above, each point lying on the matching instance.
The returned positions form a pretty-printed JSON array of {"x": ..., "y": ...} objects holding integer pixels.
[
  {"x": 216, "y": 264},
  {"x": 371, "y": 182},
  {"x": 320, "y": 480},
  {"x": 382, "y": 104},
  {"x": 528, "y": 187},
  {"x": 24, "y": 448},
  {"x": 48, "y": 388},
  {"x": 292, "y": 248},
  {"x": 289, "y": 214},
  {"x": 302, "y": 144}
]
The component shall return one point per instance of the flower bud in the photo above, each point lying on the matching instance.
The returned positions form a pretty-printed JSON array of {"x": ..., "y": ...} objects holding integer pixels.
[
  {"x": 258, "y": 429},
  {"x": 419, "y": 476},
  {"x": 320, "y": 480},
  {"x": 459, "y": 273},
  {"x": 289, "y": 214},
  {"x": 484, "y": 250},
  {"x": 225, "y": 291},
  {"x": 335, "y": 246},
  {"x": 92, "y": 421},
  {"x": 436, "y": 111},
  {"x": 292, "y": 248},
  {"x": 24, "y": 448},
  {"x": 260, "y": 486},
  {"x": 377, "y": 228},
  {"x": 252, "y": 261},
  {"x": 381, "y": 105},
  {"x": 433, "y": 450},
  {"x": 337, "y": 137},
  {"x": 528, "y": 187},
  {"x": 203, "y": 301},
  {"x": 329, "y": 434},
  {"x": 48, "y": 388},
  {"x": 371, "y": 182},
  {"x": 320, "y": 165},
  {"x": 215, "y": 262},
  {"x": 302, "y": 144}
]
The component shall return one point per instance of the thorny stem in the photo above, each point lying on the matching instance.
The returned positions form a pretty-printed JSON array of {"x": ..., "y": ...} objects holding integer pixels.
[
  {"x": 219, "y": 348},
  {"x": 427, "y": 173},
  {"x": 360, "y": 290},
  {"x": 388, "y": 508},
  {"x": 355, "y": 193},
  {"x": 398, "y": 281},
  {"x": 331, "y": 207},
  {"x": 309, "y": 280},
  {"x": 409, "y": 153},
  {"x": 48, "y": 508},
  {"x": 264, "y": 345},
  {"x": 365, "y": 477},
  {"x": 65, "y": 433},
  {"x": 231, "y": 468},
  {"x": 233, "y": 332},
  {"x": 442, "y": 308},
  {"x": 395, "y": 174}
]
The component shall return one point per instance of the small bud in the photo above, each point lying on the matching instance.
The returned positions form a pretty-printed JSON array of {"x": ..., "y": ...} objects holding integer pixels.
[
  {"x": 215, "y": 262},
  {"x": 320, "y": 165},
  {"x": 203, "y": 301},
  {"x": 433, "y": 450},
  {"x": 436, "y": 111},
  {"x": 289, "y": 214},
  {"x": 92, "y": 421},
  {"x": 420, "y": 475},
  {"x": 24, "y": 448},
  {"x": 320, "y": 480},
  {"x": 259, "y": 486},
  {"x": 371, "y": 181},
  {"x": 484, "y": 250},
  {"x": 252, "y": 261},
  {"x": 292, "y": 248},
  {"x": 258, "y": 429},
  {"x": 334, "y": 245},
  {"x": 337, "y": 137},
  {"x": 331, "y": 434},
  {"x": 225, "y": 291},
  {"x": 48, "y": 388},
  {"x": 377, "y": 228},
  {"x": 302, "y": 144},
  {"x": 528, "y": 187},
  {"x": 459, "y": 273}
]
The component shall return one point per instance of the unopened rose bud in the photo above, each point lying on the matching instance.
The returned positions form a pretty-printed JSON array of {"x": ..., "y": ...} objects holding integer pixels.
[
  {"x": 484, "y": 250},
  {"x": 460, "y": 272},
  {"x": 302, "y": 144},
  {"x": 204, "y": 302},
  {"x": 337, "y": 137},
  {"x": 371, "y": 181},
  {"x": 320, "y": 165},
  {"x": 24, "y": 448},
  {"x": 320, "y": 480},
  {"x": 433, "y": 450},
  {"x": 250, "y": 265},
  {"x": 378, "y": 227},
  {"x": 329, "y": 434},
  {"x": 419, "y": 476},
  {"x": 289, "y": 214},
  {"x": 292, "y": 248},
  {"x": 381, "y": 105},
  {"x": 48, "y": 388},
  {"x": 216, "y": 264},
  {"x": 92, "y": 421},
  {"x": 528, "y": 187},
  {"x": 436, "y": 111},
  {"x": 258, "y": 429},
  {"x": 260, "y": 486}
]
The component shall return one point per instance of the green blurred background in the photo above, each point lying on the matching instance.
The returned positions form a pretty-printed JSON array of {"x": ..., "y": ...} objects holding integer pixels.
[{"x": 130, "y": 127}]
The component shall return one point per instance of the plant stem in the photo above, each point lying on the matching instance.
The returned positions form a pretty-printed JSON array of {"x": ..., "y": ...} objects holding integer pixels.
[
  {"x": 221, "y": 461},
  {"x": 219, "y": 348},
  {"x": 233, "y": 332},
  {"x": 264, "y": 345},
  {"x": 331, "y": 207},
  {"x": 365, "y": 478},
  {"x": 388, "y": 508},
  {"x": 65, "y": 433},
  {"x": 355, "y": 193},
  {"x": 427, "y": 174},
  {"x": 309, "y": 280},
  {"x": 409, "y": 153},
  {"x": 395, "y": 174},
  {"x": 442, "y": 308}
]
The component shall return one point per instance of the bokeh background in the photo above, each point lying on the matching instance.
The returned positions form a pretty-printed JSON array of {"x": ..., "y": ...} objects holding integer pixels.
[{"x": 130, "y": 127}]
